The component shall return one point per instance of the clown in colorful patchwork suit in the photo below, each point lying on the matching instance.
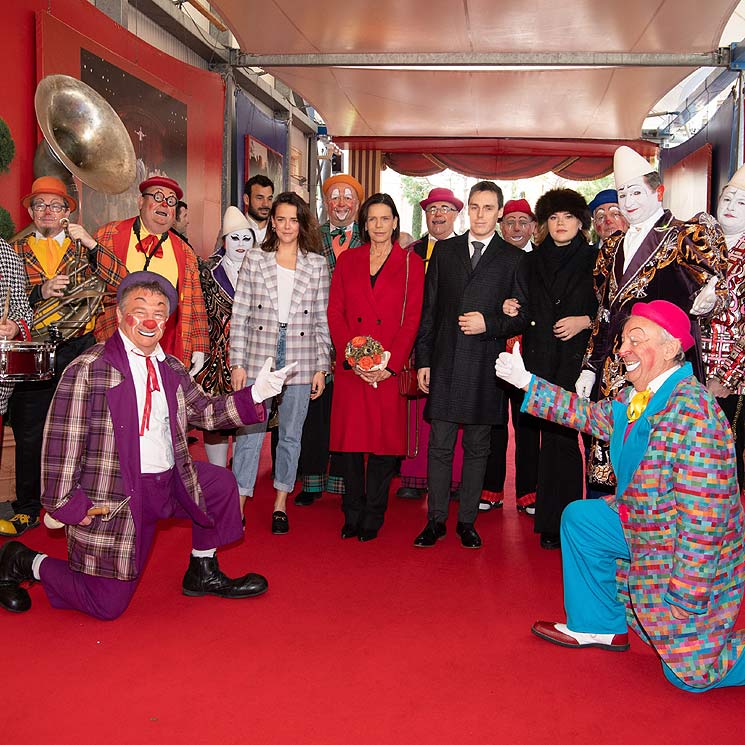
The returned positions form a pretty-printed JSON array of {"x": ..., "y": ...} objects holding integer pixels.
[{"x": 665, "y": 553}]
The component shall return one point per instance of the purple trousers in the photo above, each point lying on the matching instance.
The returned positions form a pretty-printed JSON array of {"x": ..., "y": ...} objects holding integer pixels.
[{"x": 106, "y": 598}]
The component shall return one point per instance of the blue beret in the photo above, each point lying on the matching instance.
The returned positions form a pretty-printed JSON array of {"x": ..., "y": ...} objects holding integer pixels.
[
  {"x": 607, "y": 196},
  {"x": 144, "y": 278}
]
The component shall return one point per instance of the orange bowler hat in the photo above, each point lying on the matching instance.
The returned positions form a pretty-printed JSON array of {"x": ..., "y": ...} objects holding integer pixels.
[
  {"x": 49, "y": 185},
  {"x": 344, "y": 178}
]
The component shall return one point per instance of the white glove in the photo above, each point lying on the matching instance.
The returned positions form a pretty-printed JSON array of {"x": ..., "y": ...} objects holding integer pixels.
[
  {"x": 268, "y": 383},
  {"x": 706, "y": 298},
  {"x": 197, "y": 362},
  {"x": 511, "y": 368},
  {"x": 584, "y": 384}
]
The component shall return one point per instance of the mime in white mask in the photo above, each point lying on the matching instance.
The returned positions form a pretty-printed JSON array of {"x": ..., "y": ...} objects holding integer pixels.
[
  {"x": 722, "y": 337},
  {"x": 659, "y": 258},
  {"x": 219, "y": 276}
]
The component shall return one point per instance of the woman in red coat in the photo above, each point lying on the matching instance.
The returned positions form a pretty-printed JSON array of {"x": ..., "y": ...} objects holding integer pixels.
[{"x": 376, "y": 291}]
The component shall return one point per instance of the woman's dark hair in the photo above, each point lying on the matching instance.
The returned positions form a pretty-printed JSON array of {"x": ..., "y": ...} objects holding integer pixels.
[
  {"x": 309, "y": 238},
  {"x": 378, "y": 198}
]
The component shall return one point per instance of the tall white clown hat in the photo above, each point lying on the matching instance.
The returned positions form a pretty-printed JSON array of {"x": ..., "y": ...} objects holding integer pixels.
[
  {"x": 233, "y": 220},
  {"x": 628, "y": 165},
  {"x": 738, "y": 180}
]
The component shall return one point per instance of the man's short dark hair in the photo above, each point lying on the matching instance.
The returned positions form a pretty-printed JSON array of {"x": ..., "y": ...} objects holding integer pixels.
[
  {"x": 180, "y": 207},
  {"x": 260, "y": 180},
  {"x": 653, "y": 180},
  {"x": 487, "y": 186}
]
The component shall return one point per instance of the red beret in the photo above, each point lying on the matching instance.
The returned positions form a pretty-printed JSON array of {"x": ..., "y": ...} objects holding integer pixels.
[{"x": 164, "y": 182}]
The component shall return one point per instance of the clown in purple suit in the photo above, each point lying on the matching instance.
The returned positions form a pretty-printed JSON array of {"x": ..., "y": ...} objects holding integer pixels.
[{"x": 116, "y": 461}]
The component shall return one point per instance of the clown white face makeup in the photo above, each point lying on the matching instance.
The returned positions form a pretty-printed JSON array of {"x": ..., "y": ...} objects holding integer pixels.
[
  {"x": 342, "y": 205},
  {"x": 142, "y": 318},
  {"x": 637, "y": 201},
  {"x": 731, "y": 211},
  {"x": 236, "y": 244}
]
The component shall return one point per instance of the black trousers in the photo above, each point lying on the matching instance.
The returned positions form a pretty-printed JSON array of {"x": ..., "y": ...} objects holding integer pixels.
[
  {"x": 476, "y": 444},
  {"x": 736, "y": 421},
  {"x": 28, "y": 409},
  {"x": 527, "y": 438},
  {"x": 366, "y": 493},
  {"x": 560, "y": 475}
]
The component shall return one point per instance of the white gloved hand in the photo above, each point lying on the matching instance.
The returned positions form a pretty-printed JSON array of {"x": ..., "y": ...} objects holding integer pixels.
[
  {"x": 511, "y": 368},
  {"x": 706, "y": 298},
  {"x": 584, "y": 384},
  {"x": 268, "y": 383},
  {"x": 197, "y": 362}
]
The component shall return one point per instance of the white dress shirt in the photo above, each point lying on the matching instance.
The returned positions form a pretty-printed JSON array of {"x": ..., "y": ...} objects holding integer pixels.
[
  {"x": 486, "y": 241},
  {"x": 635, "y": 235},
  {"x": 156, "y": 444},
  {"x": 260, "y": 232}
]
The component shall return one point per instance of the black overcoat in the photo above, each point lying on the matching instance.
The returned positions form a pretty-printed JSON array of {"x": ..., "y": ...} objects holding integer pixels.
[
  {"x": 556, "y": 291},
  {"x": 463, "y": 387}
]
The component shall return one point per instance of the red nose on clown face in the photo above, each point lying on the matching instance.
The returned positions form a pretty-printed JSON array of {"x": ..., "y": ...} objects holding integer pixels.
[{"x": 150, "y": 324}]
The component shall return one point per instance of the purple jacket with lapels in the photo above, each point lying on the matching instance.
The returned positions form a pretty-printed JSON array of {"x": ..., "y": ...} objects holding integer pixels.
[{"x": 91, "y": 453}]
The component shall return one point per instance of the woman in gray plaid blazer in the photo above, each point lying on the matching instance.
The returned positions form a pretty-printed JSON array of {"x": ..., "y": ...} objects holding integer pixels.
[{"x": 279, "y": 311}]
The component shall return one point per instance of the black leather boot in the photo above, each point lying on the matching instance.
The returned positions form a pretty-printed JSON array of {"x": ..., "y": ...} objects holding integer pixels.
[
  {"x": 15, "y": 567},
  {"x": 203, "y": 577}
]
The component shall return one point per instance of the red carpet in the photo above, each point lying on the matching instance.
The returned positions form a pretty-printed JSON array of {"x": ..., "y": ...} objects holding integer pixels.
[{"x": 354, "y": 643}]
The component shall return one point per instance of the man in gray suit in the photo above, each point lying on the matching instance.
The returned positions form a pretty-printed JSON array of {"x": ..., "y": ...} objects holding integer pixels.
[{"x": 462, "y": 331}]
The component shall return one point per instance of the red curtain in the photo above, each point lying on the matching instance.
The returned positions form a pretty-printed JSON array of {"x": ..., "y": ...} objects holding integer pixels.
[{"x": 577, "y": 160}]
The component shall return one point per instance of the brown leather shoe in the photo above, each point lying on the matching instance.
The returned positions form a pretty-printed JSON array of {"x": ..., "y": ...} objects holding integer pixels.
[{"x": 547, "y": 630}]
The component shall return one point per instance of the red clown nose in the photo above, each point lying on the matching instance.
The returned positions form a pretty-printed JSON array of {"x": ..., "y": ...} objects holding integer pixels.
[{"x": 150, "y": 324}]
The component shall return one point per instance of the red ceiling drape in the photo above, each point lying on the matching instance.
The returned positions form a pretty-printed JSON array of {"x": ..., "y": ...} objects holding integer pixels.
[{"x": 576, "y": 160}]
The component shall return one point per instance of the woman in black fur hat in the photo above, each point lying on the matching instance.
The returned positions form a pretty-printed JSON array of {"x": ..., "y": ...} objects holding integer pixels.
[{"x": 562, "y": 306}]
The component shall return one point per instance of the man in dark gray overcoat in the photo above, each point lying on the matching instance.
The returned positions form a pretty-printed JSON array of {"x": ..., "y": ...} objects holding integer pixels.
[{"x": 462, "y": 331}]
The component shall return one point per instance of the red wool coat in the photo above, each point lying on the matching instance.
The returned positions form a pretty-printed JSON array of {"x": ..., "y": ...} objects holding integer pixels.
[{"x": 366, "y": 419}]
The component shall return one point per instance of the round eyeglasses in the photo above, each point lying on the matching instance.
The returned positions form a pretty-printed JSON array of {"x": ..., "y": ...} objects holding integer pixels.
[
  {"x": 160, "y": 197},
  {"x": 42, "y": 207},
  {"x": 434, "y": 209}
]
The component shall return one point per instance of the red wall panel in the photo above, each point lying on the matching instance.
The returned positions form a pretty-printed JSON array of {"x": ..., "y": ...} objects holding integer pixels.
[{"x": 47, "y": 38}]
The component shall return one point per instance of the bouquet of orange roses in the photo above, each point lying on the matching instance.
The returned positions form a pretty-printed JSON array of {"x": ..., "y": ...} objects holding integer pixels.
[{"x": 367, "y": 354}]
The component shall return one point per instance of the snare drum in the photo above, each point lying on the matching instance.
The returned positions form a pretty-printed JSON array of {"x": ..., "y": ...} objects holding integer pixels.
[{"x": 26, "y": 360}]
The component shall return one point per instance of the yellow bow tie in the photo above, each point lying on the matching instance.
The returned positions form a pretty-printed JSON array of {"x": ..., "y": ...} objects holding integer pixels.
[{"x": 637, "y": 405}]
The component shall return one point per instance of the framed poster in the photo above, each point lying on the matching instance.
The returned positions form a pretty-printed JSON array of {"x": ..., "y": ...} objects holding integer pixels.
[{"x": 261, "y": 159}]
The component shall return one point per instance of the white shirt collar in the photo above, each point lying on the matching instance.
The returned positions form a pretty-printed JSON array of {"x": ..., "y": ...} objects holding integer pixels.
[
  {"x": 656, "y": 383},
  {"x": 60, "y": 237},
  {"x": 486, "y": 241},
  {"x": 644, "y": 227},
  {"x": 131, "y": 348}
]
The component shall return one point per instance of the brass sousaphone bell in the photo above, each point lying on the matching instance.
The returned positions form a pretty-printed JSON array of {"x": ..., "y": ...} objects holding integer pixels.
[{"x": 84, "y": 134}]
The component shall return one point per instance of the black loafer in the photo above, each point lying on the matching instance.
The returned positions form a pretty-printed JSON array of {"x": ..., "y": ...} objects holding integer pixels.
[
  {"x": 408, "y": 492},
  {"x": 550, "y": 541},
  {"x": 280, "y": 523},
  {"x": 348, "y": 531},
  {"x": 306, "y": 498},
  {"x": 431, "y": 534},
  {"x": 469, "y": 538},
  {"x": 367, "y": 535}
]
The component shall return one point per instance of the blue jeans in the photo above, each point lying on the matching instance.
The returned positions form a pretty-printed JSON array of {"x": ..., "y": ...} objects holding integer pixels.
[{"x": 293, "y": 407}]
